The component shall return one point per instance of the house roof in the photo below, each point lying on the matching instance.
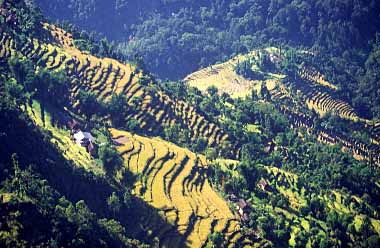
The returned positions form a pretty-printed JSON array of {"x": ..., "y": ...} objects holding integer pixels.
[
  {"x": 242, "y": 204},
  {"x": 121, "y": 140},
  {"x": 262, "y": 183},
  {"x": 233, "y": 197},
  {"x": 73, "y": 124},
  {"x": 79, "y": 136}
]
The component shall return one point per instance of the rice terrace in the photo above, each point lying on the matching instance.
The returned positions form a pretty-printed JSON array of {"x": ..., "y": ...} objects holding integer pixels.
[{"x": 150, "y": 123}]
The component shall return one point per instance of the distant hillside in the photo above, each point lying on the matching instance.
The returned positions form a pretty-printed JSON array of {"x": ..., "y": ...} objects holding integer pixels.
[{"x": 294, "y": 90}]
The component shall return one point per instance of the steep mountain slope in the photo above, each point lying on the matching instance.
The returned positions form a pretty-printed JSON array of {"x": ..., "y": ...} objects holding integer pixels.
[
  {"x": 172, "y": 180},
  {"x": 178, "y": 37}
]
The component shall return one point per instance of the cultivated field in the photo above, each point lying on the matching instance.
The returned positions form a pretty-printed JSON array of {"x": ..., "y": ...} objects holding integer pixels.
[{"x": 174, "y": 181}]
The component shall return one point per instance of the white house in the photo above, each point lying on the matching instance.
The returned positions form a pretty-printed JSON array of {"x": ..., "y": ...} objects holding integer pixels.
[{"x": 83, "y": 138}]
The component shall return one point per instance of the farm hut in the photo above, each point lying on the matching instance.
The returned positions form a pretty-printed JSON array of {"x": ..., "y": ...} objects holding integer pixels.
[
  {"x": 233, "y": 198},
  {"x": 83, "y": 138},
  {"x": 243, "y": 209},
  {"x": 73, "y": 125},
  {"x": 263, "y": 185}
]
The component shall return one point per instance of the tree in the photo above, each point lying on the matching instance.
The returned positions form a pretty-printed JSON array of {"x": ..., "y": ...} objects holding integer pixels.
[
  {"x": 212, "y": 91},
  {"x": 89, "y": 105},
  {"x": 333, "y": 219},
  {"x": 366, "y": 228},
  {"x": 132, "y": 125},
  {"x": 215, "y": 240},
  {"x": 301, "y": 239},
  {"x": 17, "y": 181},
  {"x": 83, "y": 217},
  {"x": 127, "y": 198},
  {"x": 53, "y": 86},
  {"x": 23, "y": 71},
  {"x": 199, "y": 145},
  {"x": 211, "y": 153},
  {"x": 117, "y": 107},
  {"x": 110, "y": 157},
  {"x": 16, "y": 92},
  {"x": 172, "y": 132},
  {"x": 114, "y": 203},
  {"x": 244, "y": 69},
  {"x": 373, "y": 241}
]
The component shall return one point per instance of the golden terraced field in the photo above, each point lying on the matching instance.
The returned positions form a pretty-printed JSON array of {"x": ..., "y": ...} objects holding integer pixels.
[{"x": 174, "y": 181}]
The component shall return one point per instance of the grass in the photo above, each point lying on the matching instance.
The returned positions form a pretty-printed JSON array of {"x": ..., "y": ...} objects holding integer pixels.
[{"x": 253, "y": 128}]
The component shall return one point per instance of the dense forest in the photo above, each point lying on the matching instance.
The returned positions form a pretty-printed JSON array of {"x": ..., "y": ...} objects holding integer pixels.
[{"x": 175, "y": 165}]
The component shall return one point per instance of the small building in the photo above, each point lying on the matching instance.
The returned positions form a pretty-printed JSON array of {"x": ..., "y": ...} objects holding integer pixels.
[
  {"x": 233, "y": 198},
  {"x": 74, "y": 126},
  {"x": 83, "y": 138},
  {"x": 243, "y": 209},
  {"x": 91, "y": 149},
  {"x": 257, "y": 234},
  {"x": 263, "y": 185},
  {"x": 270, "y": 147}
]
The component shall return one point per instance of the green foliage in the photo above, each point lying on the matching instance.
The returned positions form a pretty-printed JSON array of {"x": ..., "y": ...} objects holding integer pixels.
[
  {"x": 215, "y": 240},
  {"x": 176, "y": 38},
  {"x": 41, "y": 216},
  {"x": 367, "y": 97},
  {"x": 176, "y": 134},
  {"x": 244, "y": 68},
  {"x": 110, "y": 157},
  {"x": 52, "y": 87},
  {"x": 89, "y": 105},
  {"x": 117, "y": 108},
  {"x": 114, "y": 203},
  {"x": 23, "y": 71}
]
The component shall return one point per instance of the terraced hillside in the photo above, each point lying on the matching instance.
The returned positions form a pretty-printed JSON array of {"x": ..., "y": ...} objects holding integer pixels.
[
  {"x": 174, "y": 181},
  {"x": 359, "y": 150},
  {"x": 308, "y": 88},
  {"x": 289, "y": 186},
  {"x": 315, "y": 89},
  {"x": 223, "y": 77},
  {"x": 104, "y": 77}
]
